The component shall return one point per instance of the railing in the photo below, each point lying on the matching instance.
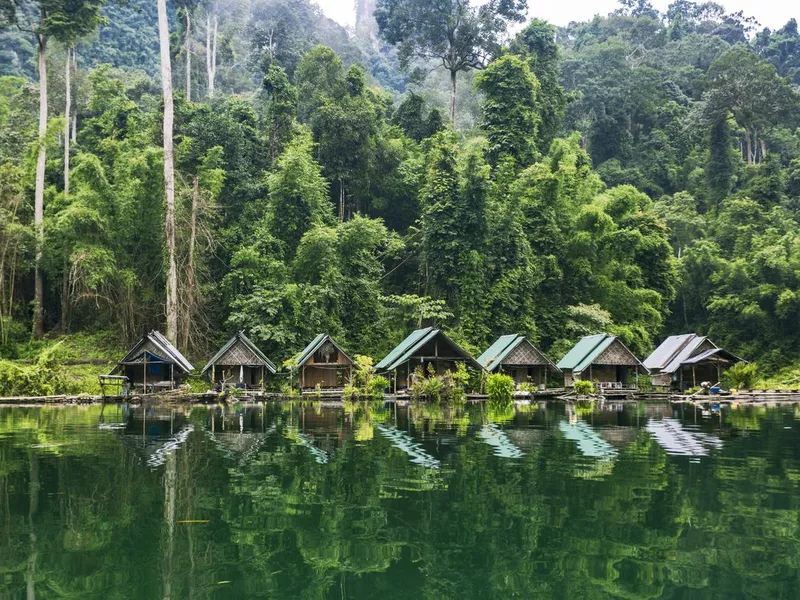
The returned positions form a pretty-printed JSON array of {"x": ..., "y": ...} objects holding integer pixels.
[{"x": 615, "y": 385}]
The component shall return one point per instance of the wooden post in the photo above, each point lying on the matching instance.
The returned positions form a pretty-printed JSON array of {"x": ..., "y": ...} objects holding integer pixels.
[
  {"x": 694, "y": 377},
  {"x": 172, "y": 374},
  {"x": 263, "y": 376},
  {"x": 241, "y": 373},
  {"x": 145, "y": 372},
  {"x": 213, "y": 375}
]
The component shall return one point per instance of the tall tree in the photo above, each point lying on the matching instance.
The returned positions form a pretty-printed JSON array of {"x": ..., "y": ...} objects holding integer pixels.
[
  {"x": 169, "y": 174},
  {"x": 211, "y": 48},
  {"x": 187, "y": 8},
  {"x": 510, "y": 116},
  {"x": 454, "y": 32},
  {"x": 67, "y": 21}
]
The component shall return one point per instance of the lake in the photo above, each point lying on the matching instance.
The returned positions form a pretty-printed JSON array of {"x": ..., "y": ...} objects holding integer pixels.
[{"x": 288, "y": 500}]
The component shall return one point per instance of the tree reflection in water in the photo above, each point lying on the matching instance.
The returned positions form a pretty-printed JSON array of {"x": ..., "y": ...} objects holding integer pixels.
[{"x": 297, "y": 499}]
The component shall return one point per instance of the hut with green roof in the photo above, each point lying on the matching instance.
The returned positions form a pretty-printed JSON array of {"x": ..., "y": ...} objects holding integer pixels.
[
  {"x": 239, "y": 363},
  {"x": 323, "y": 363},
  {"x": 516, "y": 356},
  {"x": 423, "y": 347},
  {"x": 602, "y": 359}
]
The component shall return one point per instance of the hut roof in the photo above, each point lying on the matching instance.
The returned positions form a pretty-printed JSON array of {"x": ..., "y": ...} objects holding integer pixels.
[
  {"x": 494, "y": 356},
  {"x": 687, "y": 348},
  {"x": 315, "y": 345},
  {"x": 241, "y": 338},
  {"x": 156, "y": 348},
  {"x": 589, "y": 349},
  {"x": 414, "y": 341}
]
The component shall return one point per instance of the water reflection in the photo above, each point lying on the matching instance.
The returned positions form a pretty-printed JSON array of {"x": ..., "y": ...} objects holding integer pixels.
[
  {"x": 302, "y": 500},
  {"x": 677, "y": 440}
]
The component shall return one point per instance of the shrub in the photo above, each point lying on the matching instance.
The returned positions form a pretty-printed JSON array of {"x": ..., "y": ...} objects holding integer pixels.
[
  {"x": 583, "y": 387},
  {"x": 432, "y": 389},
  {"x": 378, "y": 385},
  {"x": 350, "y": 392},
  {"x": 742, "y": 375},
  {"x": 500, "y": 388}
]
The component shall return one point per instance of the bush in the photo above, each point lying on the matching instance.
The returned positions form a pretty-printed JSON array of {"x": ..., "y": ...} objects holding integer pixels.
[
  {"x": 378, "y": 385},
  {"x": 432, "y": 389},
  {"x": 500, "y": 388},
  {"x": 583, "y": 387},
  {"x": 742, "y": 375}
]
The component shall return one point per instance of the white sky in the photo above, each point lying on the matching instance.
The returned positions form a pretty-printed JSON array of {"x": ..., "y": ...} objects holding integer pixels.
[{"x": 770, "y": 13}]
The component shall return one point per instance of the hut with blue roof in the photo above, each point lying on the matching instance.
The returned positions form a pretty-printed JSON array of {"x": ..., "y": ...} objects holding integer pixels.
[
  {"x": 603, "y": 359},
  {"x": 516, "y": 356},
  {"x": 686, "y": 360},
  {"x": 323, "y": 363},
  {"x": 424, "y": 347}
]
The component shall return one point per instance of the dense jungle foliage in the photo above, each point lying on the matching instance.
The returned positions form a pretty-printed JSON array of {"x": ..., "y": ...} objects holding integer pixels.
[{"x": 638, "y": 173}]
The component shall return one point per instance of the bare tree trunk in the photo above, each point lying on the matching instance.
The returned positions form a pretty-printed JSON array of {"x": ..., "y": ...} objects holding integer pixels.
[
  {"x": 38, "y": 202},
  {"x": 453, "y": 97},
  {"x": 67, "y": 118},
  {"x": 65, "y": 296},
  {"x": 75, "y": 114},
  {"x": 169, "y": 174},
  {"x": 188, "y": 50},
  {"x": 749, "y": 147},
  {"x": 763, "y": 145},
  {"x": 191, "y": 276},
  {"x": 211, "y": 50}
]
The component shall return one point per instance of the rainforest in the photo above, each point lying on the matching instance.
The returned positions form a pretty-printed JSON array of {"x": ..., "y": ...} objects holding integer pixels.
[{"x": 205, "y": 168}]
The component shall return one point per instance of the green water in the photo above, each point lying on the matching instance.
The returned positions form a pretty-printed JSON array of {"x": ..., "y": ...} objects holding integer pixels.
[{"x": 290, "y": 501}]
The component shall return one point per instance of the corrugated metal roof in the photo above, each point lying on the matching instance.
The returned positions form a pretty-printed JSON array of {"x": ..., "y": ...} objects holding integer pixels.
[
  {"x": 721, "y": 352},
  {"x": 168, "y": 352},
  {"x": 416, "y": 340},
  {"x": 309, "y": 350},
  {"x": 588, "y": 349},
  {"x": 667, "y": 351},
  {"x": 491, "y": 358},
  {"x": 685, "y": 353},
  {"x": 172, "y": 350},
  {"x": 246, "y": 341},
  {"x": 401, "y": 348},
  {"x": 594, "y": 354},
  {"x": 581, "y": 350},
  {"x": 503, "y": 346}
]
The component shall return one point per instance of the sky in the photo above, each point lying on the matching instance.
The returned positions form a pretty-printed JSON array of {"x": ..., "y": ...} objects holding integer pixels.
[{"x": 770, "y": 13}]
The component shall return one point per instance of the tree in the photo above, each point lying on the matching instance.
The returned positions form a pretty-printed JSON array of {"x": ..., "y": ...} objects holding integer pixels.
[
  {"x": 66, "y": 21},
  {"x": 537, "y": 42},
  {"x": 757, "y": 97},
  {"x": 169, "y": 174},
  {"x": 187, "y": 7},
  {"x": 281, "y": 110},
  {"x": 454, "y": 32},
  {"x": 510, "y": 115}
]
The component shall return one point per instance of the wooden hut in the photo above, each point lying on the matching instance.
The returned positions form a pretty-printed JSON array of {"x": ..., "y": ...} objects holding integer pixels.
[
  {"x": 516, "y": 356},
  {"x": 323, "y": 363},
  {"x": 153, "y": 364},
  {"x": 683, "y": 361},
  {"x": 240, "y": 363},
  {"x": 602, "y": 359},
  {"x": 424, "y": 347}
]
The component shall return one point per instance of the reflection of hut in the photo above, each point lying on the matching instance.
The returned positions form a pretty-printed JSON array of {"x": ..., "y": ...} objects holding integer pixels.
[
  {"x": 153, "y": 363},
  {"x": 424, "y": 347},
  {"x": 603, "y": 359},
  {"x": 324, "y": 363},
  {"x": 518, "y": 357},
  {"x": 241, "y": 363},
  {"x": 683, "y": 361}
]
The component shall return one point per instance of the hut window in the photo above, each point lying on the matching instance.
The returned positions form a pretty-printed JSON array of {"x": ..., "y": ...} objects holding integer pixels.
[{"x": 326, "y": 353}]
